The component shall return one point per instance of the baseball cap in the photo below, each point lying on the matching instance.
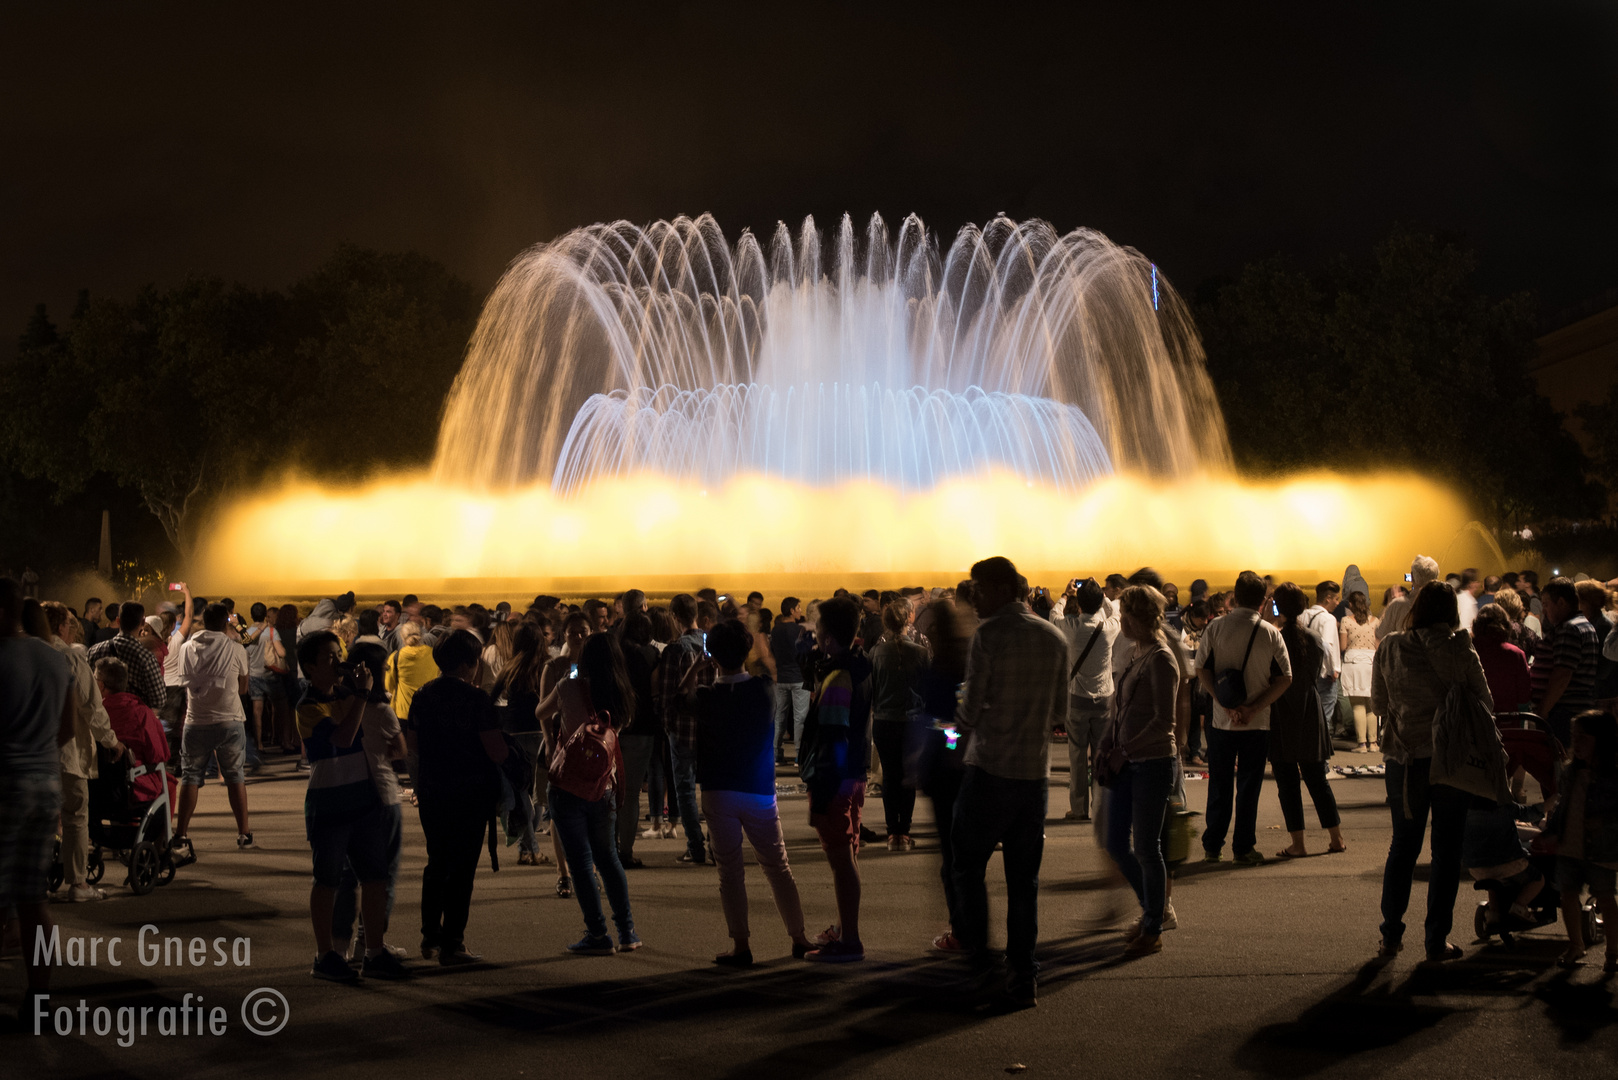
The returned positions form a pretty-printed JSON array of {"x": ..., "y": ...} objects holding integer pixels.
[{"x": 154, "y": 623}]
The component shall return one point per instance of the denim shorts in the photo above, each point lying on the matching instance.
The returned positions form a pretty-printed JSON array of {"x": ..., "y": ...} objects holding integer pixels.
[
  {"x": 258, "y": 687},
  {"x": 30, "y": 803},
  {"x": 363, "y": 842},
  {"x": 228, "y": 740}
]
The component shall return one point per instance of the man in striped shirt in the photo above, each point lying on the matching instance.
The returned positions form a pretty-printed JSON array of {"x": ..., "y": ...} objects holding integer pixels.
[
  {"x": 1015, "y": 694},
  {"x": 145, "y": 673},
  {"x": 1564, "y": 676}
]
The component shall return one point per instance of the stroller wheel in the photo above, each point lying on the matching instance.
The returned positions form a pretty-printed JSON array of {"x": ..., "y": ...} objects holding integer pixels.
[
  {"x": 165, "y": 868},
  {"x": 97, "y": 866},
  {"x": 143, "y": 868},
  {"x": 1593, "y": 927}
]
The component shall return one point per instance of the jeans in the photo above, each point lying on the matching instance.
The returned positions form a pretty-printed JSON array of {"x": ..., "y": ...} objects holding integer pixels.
[
  {"x": 993, "y": 809},
  {"x": 1448, "y": 808},
  {"x": 1086, "y": 717},
  {"x": 344, "y": 904},
  {"x": 791, "y": 707},
  {"x": 1237, "y": 756},
  {"x": 944, "y": 787},
  {"x": 1138, "y": 804},
  {"x": 1312, "y": 774},
  {"x": 588, "y": 831},
  {"x": 529, "y": 742},
  {"x": 658, "y": 772},
  {"x": 898, "y": 798},
  {"x": 1328, "y": 689},
  {"x": 685, "y": 793},
  {"x": 637, "y": 751},
  {"x": 731, "y": 815},
  {"x": 454, "y": 828}
]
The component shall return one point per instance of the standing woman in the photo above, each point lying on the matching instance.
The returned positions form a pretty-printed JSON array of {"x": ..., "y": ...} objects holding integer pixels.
[
  {"x": 1356, "y": 637},
  {"x": 497, "y": 654},
  {"x": 1141, "y": 732},
  {"x": 589, "y": 828},
  {"x": 1299, "y": 741},
  {"x": 575, "y": 632},
  {"x": 516, "y": 695},
  {"x": 736, "y": 769},
  {"x": 944, "y": 765},
  {"x": 639, "y": 738},
  {"x": 286, "y": 725},
  {"x": 1414, "y": 671},
  {"x": 760, "y": 659},
  {"x": 409, "y": 669},
  {"x": 897, "y": 666}
]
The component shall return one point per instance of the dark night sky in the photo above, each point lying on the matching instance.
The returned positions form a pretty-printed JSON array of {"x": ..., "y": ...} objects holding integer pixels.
[{"x": 142, "y": 142}]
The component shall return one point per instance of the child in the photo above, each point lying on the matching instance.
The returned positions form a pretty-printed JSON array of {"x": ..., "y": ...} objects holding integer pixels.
[
  {"x": 1585, "y": 823},
  {"x": 1492, "y": 850}
]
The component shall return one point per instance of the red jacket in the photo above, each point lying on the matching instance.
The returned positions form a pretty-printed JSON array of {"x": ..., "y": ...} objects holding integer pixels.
[{"x": 138, "y": 728}]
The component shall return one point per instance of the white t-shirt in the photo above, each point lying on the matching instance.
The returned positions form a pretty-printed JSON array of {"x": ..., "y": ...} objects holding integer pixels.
[
  {"x": 211, "y": 667},
  {"x": 1467, "y": 605},
  {"x": 1323, "y": 625},
  {"x": 1224, "y": 642},
  {"x": 171, "y": 660}
]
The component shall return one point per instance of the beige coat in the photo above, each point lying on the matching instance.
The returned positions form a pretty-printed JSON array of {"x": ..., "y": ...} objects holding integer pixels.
[{"x": 79, "y": 755}]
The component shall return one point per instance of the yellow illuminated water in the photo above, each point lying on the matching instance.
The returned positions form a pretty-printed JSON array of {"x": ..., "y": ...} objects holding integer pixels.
[{"x": 411, "y": 531}]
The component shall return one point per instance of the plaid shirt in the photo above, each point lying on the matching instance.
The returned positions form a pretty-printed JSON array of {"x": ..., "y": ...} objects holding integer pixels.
[
  {"x": 674, "y": 708},
  {"x": 1015, "y": 693},
  {"x": 145, "y": 673}
]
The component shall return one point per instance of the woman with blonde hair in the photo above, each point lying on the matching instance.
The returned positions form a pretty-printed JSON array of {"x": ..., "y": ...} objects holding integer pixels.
[
  {"x": 1356, "y": 638},
  {"x": 410, "y": 668},
  {"x": 1139, "y": 751}
]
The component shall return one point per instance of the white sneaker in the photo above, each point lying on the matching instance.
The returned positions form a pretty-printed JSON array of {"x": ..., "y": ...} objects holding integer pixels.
[
  {"x": 1169, "y": 921},
  {"x": 80, "y": 894}
]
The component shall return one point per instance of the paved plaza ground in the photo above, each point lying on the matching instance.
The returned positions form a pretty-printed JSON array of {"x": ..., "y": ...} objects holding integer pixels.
[{"x": 1268, "y": 975}]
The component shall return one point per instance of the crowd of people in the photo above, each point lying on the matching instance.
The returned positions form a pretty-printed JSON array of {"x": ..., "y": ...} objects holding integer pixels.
[{"x": 556, "y": 719}]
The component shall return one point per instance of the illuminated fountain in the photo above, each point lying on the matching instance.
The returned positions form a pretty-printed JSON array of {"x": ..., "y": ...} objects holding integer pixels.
[
  {"x": 619, "y": 350},
  {"x": 654, "y": 406}
]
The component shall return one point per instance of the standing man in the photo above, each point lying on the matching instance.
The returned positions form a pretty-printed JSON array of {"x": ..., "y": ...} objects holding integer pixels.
[
  {"x": 680, "y": 723},
  {"x": 264, "y": 655},
  {"x": 387, "y": 622},
  {"x": 79, "y": 759},
  {"x": 1564, "y": 675},
  {"x": 1397, "y": 613},
  {"x": 1238, "y": 741},
  {"x": 791, "y": 696},
  {"x": 1322, "y": 624},
  {"x": 1014, "y": 695},
  {"x": 1466, "y": 596},
  {"x": 145, "y": 672},
  {"x": 1090, "y": 636},
  {"x": 173, "y": 711},
  {"x": 91, "y": 622},
  {"x": 38, "y": 715},
  {"x": 213, "y": 671}
]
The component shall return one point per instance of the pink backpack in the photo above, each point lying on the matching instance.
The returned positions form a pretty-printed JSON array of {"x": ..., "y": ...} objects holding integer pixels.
[{"x": 588, "y": 761}]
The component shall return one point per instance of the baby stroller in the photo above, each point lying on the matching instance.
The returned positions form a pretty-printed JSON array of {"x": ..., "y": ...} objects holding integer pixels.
[
  {"x": 140, "y": 833},
  {"x": 1530, "y": 746}
]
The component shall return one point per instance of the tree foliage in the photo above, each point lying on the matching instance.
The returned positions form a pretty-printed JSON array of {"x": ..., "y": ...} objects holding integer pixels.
[
  {"x": 181, "y": 393},
  {"x": 1396, "y": 362}
]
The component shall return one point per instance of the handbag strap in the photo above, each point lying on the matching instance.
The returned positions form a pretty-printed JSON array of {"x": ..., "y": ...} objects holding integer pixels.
[{"x": 1250, "y": 639}]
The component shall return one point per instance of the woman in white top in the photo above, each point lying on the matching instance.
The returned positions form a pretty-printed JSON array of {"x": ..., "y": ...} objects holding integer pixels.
[{"x": 1356, "y": 636}]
